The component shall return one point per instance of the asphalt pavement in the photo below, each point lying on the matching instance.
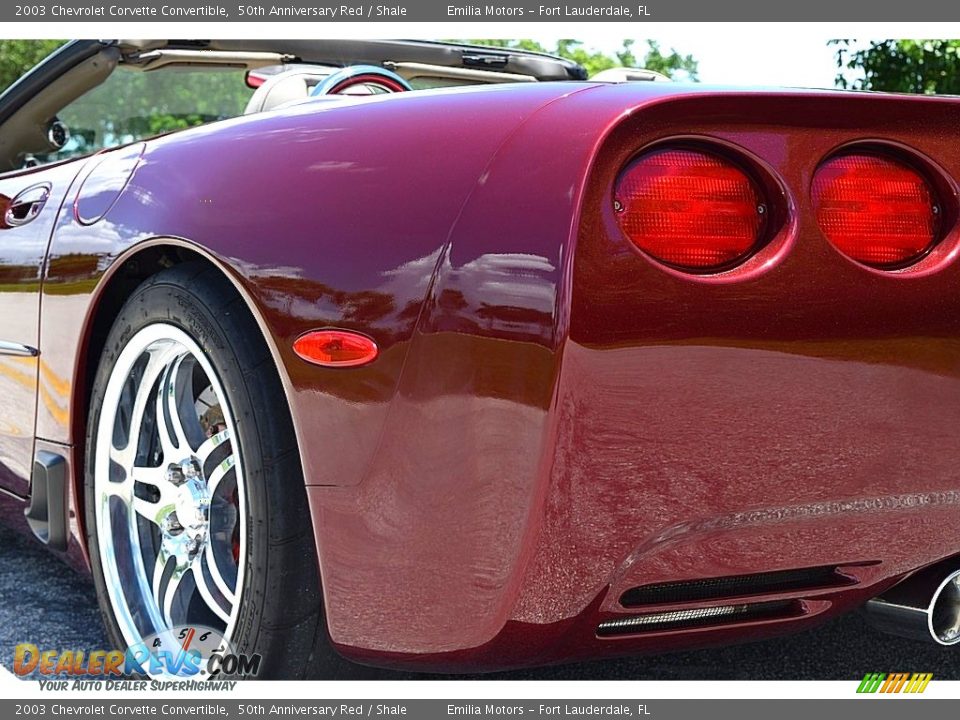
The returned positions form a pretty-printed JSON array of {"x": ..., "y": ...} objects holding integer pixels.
[{"x": 44, "y": 602}]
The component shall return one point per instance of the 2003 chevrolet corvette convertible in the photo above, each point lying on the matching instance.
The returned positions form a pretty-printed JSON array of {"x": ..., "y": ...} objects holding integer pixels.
[{"x": 445, "y": 357}]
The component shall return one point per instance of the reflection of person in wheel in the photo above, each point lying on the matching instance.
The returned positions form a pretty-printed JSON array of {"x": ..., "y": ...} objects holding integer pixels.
[
  {"x": 212, "y": 421},
  {"x": 190, "y": 468},
  {"x": 175, "y": 474},
  {"x": 179, "y": 473}
]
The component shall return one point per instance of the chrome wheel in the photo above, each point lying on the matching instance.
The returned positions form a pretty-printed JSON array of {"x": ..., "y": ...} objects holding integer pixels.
[{"x": 169, "y": 490}]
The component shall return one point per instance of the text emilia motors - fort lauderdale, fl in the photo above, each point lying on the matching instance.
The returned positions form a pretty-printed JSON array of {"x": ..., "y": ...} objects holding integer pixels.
[{"x": 619, "y": 11}]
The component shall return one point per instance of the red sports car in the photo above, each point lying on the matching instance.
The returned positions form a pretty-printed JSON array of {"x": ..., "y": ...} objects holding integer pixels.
[{"x": 444, "y": 357}]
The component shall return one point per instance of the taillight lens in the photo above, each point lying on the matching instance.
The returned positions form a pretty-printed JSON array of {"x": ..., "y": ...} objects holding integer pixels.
[
  {"x": 875, "y": 209},
  {"x": 689, "y": 208}
]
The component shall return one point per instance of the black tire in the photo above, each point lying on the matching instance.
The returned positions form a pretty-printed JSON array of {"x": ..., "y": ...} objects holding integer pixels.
[{"x": 280, "y": 607}]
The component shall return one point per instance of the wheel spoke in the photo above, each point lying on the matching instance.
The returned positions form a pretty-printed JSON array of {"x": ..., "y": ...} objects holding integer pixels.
[
  {"x": 169, "y": 595},
  {"x": 174, "y": 398},
  {"x": 141, "y": 581},
  {"x": 211, "y": 444},
  {"x": 219, "y": 473},
  {"x": 205, "y": 591},
  {"x": 153, "y": 476},
  {"x": 122, "y": 490},
  {"x": 126, "y": 456},
  {"x": 215, "y": 573},
  {"x": 165, "y": 594},
  {"x": 146, "y": 509},
  {"x": 158, "y": 569}
]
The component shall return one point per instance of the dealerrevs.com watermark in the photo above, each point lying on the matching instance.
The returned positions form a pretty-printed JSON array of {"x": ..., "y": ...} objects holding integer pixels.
[{"x": 182, "y": 655}]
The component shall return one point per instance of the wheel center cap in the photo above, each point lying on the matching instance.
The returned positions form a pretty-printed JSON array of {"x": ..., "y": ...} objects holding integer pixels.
[{"x": 186, "y": 524}]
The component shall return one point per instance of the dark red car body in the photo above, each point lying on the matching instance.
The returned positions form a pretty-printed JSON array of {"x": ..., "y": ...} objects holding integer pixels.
[{"x": 554, "y": 418}]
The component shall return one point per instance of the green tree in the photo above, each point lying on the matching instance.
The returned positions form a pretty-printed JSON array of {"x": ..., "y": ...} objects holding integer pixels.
[
  {"x": 910, "y": 66},
  {"x": 18, "y": 56},
  {"x": 672, "y": 64},
  {"x": 129, "y": 104}
]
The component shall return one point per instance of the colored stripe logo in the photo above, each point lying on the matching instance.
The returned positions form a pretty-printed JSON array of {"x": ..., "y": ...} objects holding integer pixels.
[{"x": 894, "y": 682}]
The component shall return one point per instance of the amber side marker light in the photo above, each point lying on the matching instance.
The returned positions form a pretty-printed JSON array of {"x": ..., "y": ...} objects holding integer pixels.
[
  {"x": 875, "y": 209},
  {"x": 690, "y": 208},
  {"x": 335, "y": 348}
]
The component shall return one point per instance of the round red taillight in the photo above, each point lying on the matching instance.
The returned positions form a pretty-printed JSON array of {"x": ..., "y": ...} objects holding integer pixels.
[
  {"x": 876, "y": 210},
  {"x": 689, "y": 208}
]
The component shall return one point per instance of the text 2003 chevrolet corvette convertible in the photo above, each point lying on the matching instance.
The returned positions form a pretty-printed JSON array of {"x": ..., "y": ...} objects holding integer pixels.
[{"x": 516, "y": 373}]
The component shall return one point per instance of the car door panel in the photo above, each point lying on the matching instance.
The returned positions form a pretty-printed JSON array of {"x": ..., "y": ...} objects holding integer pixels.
[{"x": 29, "y": 204}]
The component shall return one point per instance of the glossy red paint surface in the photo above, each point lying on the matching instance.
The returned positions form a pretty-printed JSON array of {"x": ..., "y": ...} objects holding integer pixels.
[
  {"x": 554, "y": 416},
  {"x": 101, "y": 182}
]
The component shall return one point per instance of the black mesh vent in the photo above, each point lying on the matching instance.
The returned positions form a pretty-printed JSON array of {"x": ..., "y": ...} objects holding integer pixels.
[
  {"x": 700, "y": 617},
  {"x": 735, "y": 586}
]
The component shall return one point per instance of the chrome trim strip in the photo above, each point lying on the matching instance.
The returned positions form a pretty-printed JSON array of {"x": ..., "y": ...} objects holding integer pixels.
[
  {"x": 16, "y": 349},
  {"x": 6, "y": 494}
]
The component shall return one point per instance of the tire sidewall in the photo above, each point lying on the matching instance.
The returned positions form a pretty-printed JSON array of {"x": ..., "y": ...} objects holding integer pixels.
[{"x": 174, "y": 305}]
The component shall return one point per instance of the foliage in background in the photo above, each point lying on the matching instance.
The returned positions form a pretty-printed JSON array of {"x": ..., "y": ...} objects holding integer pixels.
[
  {"x": 910, "y": 66},
  {"x": 130, "y": 104},
  {"x": 672, "y": 65},
  {"x": 18, "y": 56}
]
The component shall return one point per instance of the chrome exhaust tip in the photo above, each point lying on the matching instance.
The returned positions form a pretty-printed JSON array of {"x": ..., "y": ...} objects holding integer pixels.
[{"x": 925, "y": 606}]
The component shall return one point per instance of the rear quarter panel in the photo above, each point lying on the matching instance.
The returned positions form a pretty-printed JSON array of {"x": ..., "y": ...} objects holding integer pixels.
[{"x": 331, "y": 217}]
